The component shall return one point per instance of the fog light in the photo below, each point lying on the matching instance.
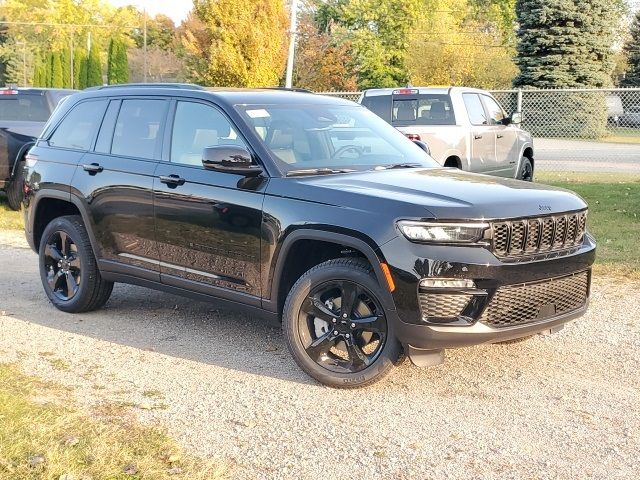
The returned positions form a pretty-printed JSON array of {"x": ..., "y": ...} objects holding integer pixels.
[{"x": 446, "y": 283}]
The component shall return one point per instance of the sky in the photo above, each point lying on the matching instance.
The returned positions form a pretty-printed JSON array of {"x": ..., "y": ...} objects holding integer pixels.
[{"x": 176, "y": 9}]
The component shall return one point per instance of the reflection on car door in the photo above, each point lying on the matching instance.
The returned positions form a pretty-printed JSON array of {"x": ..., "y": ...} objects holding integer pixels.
[
  {"x": 506, "y": 138},
  {"x": 116, "y": 179},
  {"x": 482, "y": 141},
  {"x": 208, "y": 223}
]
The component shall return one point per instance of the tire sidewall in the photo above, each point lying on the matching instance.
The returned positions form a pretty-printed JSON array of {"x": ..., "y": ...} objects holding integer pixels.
[
  {"x": 14, "y": 189},
  {"x": 523, "y": 163},
  {"x": 65, "y": 225},
  {"x": 387, "y": 357}
]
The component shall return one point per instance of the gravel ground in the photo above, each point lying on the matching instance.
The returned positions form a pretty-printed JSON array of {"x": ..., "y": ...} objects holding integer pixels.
[{"x": 562, "y": 406}]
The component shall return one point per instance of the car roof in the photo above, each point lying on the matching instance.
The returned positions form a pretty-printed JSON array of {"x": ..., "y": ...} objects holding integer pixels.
[
  {"x": 229, "y": 96},
  {"x": 422, "y": 90}
]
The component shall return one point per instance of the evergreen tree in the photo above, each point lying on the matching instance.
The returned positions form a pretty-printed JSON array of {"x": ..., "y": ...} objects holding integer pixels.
[
  {"x": 94, "y": 67},
  {"x": 80, "y": 69},
  {"x": 56, "y": 70},
  {"x": 632, "y": 52},
  {"x": 65, "y": 61},
  {"x": 117, "y": 63},
  {"x": 566, "y": 43},
  {"x": 39, "y": 74}
]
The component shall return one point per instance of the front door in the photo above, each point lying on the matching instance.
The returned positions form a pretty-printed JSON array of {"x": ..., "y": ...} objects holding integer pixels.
[
  {"x": 208, "y": 223},
  {"x": 507, "y": 146},
  {"x": 482, "y": 137}
]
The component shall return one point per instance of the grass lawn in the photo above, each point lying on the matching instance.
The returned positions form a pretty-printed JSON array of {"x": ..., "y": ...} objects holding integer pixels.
[
  {"x": 43, "y": 437},
  {"x": 9, "y": 219},
  {"x": 623, "y": 135}
]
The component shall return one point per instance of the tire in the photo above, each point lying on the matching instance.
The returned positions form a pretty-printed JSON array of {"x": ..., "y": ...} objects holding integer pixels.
[
  {"x": 14, "y": 189},
  {"x": 314, "y": 325},
  {"x": 526, "y": 170},
  {"x": 68, "y": 267}
]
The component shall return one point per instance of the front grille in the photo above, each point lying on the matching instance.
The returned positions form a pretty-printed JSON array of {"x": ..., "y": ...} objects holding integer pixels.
[
  {"x": 520, "y": 304},
  {"x": 443, "y": 305},
  {"x": 532, "y": 236}
]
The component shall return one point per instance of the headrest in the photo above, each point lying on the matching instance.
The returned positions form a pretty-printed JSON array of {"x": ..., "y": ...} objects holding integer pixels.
[
  {"x": 438, "y": 110},
  {"x": 281, "y": 138},
  {"x": 205, "y": 138},
  {"x": 406, "y": 111}
]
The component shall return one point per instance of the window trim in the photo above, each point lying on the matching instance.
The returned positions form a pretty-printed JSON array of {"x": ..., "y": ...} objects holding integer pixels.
[
  {"x": 168, "y": 140},
  {"x": 484, "y": 109},
  {"x": 71, "y": 109},
  {"x": 112, "y": 127}
]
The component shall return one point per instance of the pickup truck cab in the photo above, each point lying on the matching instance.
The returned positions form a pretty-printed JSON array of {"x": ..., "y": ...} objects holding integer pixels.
[{"x": 464, "y": 128}]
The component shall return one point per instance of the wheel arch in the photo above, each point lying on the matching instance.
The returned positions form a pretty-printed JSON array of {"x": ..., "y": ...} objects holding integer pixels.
[
  {"x": 453, "y": 161},
  {"x": 24, "y": 149},
  {"x": 281, "y": 284}
]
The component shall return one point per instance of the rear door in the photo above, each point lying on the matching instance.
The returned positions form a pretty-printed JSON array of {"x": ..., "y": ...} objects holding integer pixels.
[
  {"x": 482, "y": 136},
  {"x": 506, "y": 138},
  {"x": 208, "y": 223},
  {"x": 116, "y": 181}
]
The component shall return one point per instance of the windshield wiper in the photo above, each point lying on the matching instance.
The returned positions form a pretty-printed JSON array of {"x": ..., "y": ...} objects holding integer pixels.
[
  {"x": 398, "y": 165},
  {"x": 317, "y": 171}
]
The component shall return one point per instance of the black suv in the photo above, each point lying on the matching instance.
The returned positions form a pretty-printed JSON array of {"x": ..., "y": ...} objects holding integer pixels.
[
  {"x": 23, "y": 114},
  {"x": 303, "y": 208}
]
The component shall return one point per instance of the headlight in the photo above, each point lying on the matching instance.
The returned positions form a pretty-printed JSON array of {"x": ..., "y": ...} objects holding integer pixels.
[{"x": 443, "y": 232}]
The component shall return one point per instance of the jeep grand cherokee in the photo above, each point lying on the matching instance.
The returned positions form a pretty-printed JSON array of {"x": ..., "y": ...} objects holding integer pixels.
[{"x": 302, "y": 208}]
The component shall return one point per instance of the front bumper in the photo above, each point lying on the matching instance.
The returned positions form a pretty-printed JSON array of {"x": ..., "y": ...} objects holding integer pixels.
[{"x": 477, "y": 322}]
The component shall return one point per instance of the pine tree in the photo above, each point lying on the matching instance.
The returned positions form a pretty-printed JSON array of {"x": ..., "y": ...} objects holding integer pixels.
[
  {"x": 94, "y": 67},
  {"x": 566, "y": 43},
  {"x": 80, "y": 69},
  {"x": 632, "y": 52},
  {"x": 117, "y": 63}
]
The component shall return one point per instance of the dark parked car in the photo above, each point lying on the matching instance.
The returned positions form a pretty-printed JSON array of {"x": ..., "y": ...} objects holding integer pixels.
[
  {"x": 23, "y": 114},
  {"x": 302, "y": 208}
]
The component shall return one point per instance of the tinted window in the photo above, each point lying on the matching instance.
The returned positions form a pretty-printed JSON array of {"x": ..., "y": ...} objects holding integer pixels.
[
  {"x": 423, "y": 110},
  {"x": 197, "y": 126},
  {"x": 380, "y": 105},
  {"x": 137, "y": 129},
  {"x": 24, "y": 108},
  {"x": 477, "y": 116},
  {"x": 103, "y": 144},
  {"x": 79, "y": 127},
  {"x": 496, "y": 114}
]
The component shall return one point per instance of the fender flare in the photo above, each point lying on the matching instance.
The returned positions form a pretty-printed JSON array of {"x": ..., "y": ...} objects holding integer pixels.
[
  {"x": 74, "y": 200},
  {"x": 21, "y": 153},
  {"x": 372, "y": 254}
]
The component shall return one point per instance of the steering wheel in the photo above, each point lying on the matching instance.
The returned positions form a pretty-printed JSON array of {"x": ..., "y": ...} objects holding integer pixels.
[{"x": 345, "y": 149}]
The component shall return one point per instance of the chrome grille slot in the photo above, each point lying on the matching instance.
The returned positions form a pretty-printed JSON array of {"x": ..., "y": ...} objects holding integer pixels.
[
  {"x": 531, "y": 236},
  {"x": 520, "y": 304},
  {"x": 443, "y": 305}
]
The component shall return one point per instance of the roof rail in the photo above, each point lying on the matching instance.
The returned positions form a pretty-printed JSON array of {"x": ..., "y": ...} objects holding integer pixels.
[
  {"x": 182, "y": 86},
  {"x": 292, "y": 89}
]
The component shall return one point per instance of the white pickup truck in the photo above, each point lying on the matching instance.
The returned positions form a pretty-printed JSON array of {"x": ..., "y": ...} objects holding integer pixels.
[{"x": 463, "y": 127}]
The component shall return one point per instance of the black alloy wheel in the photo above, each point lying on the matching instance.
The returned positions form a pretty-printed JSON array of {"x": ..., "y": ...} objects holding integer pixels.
[
  {"x": 342, "y": 326},
  {"x": 336, "y": 327},
  {"x": 526, "y": 170},
  {"x": 63, "y": 265}
]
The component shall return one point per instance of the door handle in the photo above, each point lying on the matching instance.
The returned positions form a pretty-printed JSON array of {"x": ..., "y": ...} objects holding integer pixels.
[
  {"x": 500, "y": 135},
  {"x": 172, "y": 180},
  {"x": 477, "y": 137},
  {"x": 92, "y": 168}
]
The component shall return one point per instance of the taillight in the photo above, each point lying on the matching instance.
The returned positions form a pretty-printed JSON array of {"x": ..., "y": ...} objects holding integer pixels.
[
  {"x": 413, "y": 136},
  {"x": 406, "y": 91},
  {"x": 8, "y": 91}
]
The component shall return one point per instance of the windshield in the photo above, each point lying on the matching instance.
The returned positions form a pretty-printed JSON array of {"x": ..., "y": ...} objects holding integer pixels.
[{"x": 331, "y": 137}]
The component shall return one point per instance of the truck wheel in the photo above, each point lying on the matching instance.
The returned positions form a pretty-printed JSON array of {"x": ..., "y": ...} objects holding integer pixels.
[
  {"x": 526, "y": 170},
  {"x": 14, "y": 189},
  {"x": 68, "y": 267},
  {"x": 336, "y": 327}
]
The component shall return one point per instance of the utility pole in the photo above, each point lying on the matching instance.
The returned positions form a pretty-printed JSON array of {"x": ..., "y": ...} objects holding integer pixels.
[
  {"x": 292, "y": 42},
  {"x": 144, "y": 44}
]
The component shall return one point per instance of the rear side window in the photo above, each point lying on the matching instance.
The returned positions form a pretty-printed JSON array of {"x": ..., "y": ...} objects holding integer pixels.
[
  {"x": 79, "y": 127},
  {"x": 423, "y": 110},
  {"x": 477, "y": 115},
  {"x": 380, "y": 105},
  {"x": 24, "y": 108},
  {"x": 137, "y": 131}
]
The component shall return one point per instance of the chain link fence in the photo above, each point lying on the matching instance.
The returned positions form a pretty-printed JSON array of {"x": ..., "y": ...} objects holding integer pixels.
[{"x": 575, "y": 130}]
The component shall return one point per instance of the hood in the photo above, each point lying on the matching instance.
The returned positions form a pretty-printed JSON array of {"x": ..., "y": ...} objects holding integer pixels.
[{"x": 438, "y": 193}]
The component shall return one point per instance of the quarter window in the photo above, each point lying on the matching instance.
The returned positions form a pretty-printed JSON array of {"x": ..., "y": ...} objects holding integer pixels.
[
  {"x": 79, "y": 127},
  {"x": 197, "y": 126},
  {"x": 476, "y": 112},
  {"x": 137, "y": 128}
]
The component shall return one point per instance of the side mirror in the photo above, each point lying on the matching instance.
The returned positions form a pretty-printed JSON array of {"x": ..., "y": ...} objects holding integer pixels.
[
  {"x": 230, "y": 159},
  {"x": 423, "y": 146},
  {"x": 516, "y": 118}
]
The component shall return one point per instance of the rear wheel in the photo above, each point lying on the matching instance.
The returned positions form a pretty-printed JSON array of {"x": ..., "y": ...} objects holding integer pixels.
[
  {"x": 68, "y": 268},
  {"x": 526, "y": 170},
  {"x": 336, "y": 327},
  {"x": 14, "y": 189}
]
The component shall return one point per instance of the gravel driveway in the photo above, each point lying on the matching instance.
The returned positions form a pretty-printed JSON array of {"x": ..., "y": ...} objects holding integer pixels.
[{"x": 564, "y": 406}]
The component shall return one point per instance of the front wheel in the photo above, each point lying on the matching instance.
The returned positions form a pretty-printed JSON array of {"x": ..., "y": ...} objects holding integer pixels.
[
  {"x": 526, "y": 170},
  {"x": 336, "y": 327}
]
